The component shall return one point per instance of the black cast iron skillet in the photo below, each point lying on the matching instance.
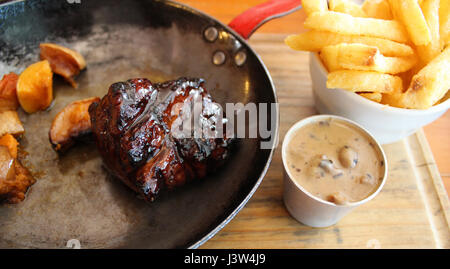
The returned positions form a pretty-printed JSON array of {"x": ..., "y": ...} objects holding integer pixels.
[{"x": 74, "y": 199}]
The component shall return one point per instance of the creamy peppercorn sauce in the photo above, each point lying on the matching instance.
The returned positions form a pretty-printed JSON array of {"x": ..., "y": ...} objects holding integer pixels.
[{"x": 334, "y": 161}]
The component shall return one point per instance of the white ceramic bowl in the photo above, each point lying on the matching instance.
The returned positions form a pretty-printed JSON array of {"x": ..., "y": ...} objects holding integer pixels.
[
  {"x": 387, "y": 124},
  {"x": 305, "y": 207}
]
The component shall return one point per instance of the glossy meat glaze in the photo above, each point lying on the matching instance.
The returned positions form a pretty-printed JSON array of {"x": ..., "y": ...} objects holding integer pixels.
[{"x": 132, "y": 126}]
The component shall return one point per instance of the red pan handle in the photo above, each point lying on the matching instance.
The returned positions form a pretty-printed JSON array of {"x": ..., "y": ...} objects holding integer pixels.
[{"x": 247, "y": 23}]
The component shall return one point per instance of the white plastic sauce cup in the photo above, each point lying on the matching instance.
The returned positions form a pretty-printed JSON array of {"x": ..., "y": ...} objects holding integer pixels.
[{"x": 305, "y": 207}]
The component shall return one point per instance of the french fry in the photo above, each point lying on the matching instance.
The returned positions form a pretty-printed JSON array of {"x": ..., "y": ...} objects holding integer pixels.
[
  {"x": 392, "y": 99},
  {"x": 430, "y": 84},
  {"x": 364, "y": 58},
  {"x": 364, "y": 81},
  {"x": 373, "y": 96},
  {"x": 394, "y": 9},
  {"x": 394, "y": 52},
  {"x": 445, "y": 98},
  {"x": 347, "y": 7},
  {"x": 311, "y": 6},
  {"x": 407, "y": 76},
  {"x": 378, "y": 9},
  {"x": 330, "y": 58},
  {"x": 409, "y": 13},
  {"x": 314, "y": 41},
  {"x": 444, "y": 22},
  {"x": 430, "y": 9},
  {"x": 346, "y": 24}
]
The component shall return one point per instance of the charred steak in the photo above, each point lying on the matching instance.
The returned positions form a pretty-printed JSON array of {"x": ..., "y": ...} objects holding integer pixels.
[{"x": 132, "y": 127}]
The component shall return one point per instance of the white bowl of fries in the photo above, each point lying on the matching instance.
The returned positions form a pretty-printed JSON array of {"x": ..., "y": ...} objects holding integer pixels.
[
  {"x": 384, "y": 64},
  {"x": 387, "y": 124}
]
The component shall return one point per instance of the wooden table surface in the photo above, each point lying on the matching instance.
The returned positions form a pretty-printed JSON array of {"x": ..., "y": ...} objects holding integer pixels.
[{"x": 437, "y": 133}]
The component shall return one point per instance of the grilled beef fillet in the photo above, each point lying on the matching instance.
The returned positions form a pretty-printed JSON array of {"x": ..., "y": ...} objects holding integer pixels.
[{"x": 132, "y": 127}]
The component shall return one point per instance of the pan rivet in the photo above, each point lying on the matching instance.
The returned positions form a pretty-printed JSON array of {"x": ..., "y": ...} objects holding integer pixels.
[
  {"x": 211, "y": 34},
  {"x": 219, "y": 57},
  {"x": 240, "y": 58}
]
